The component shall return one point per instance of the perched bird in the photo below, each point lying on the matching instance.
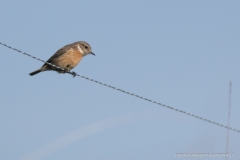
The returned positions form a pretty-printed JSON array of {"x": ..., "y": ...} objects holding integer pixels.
[{"x": 66, "y": 58}]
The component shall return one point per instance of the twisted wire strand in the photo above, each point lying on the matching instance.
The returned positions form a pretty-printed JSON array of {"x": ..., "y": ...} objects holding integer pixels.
[{"x": 129, "y": 93}]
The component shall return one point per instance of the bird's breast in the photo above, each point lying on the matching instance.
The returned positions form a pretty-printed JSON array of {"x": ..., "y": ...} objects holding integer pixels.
[{"x": 69, "y": 60}]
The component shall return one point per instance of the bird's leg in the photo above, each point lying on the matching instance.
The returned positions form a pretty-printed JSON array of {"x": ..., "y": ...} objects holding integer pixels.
[{"x": 72, "y": 73}]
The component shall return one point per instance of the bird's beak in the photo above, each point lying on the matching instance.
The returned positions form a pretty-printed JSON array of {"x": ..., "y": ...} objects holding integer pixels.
[{"x": 92, "y": 53}]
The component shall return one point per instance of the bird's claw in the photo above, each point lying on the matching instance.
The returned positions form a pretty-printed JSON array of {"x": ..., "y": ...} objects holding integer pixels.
[{"x": 74, "y": 74}]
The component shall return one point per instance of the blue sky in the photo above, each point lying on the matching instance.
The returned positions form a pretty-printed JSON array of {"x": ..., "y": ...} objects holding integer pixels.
[{"x": 179, "y": 53}]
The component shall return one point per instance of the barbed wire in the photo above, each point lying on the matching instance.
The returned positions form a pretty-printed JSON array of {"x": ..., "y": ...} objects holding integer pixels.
[{"x": 132, "y": 94}]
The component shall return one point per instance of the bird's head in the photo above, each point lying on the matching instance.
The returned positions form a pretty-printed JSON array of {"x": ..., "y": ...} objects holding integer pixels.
[{"x": 84, "y": 48}]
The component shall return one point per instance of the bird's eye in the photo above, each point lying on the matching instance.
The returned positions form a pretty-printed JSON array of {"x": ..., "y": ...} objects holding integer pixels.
[{"x": 86, "y": 47}]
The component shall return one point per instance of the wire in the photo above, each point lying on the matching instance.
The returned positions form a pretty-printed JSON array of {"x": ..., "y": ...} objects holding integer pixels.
[
  {"x": 132, "y": 94},
  {"x": 229, "y": 115}
]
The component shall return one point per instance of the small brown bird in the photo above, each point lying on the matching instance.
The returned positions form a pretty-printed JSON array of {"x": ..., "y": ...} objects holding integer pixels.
[{"x": 66, "y": 58}]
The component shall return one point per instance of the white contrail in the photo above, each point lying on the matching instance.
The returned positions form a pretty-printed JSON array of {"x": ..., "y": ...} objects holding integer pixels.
[{"x": 82, "y": 133}]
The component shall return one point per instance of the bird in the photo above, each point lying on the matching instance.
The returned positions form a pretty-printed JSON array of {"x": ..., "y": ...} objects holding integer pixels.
[{"x": 66, "y": 58}]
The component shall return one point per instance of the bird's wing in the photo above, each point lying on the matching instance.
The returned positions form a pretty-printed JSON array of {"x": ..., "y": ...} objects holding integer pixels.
[{"x": 59, "y": 53}]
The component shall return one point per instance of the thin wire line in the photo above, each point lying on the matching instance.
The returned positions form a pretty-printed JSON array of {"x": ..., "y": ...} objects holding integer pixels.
[
  {"x": 132, "y": 94},
  {"x": 229, "y": 115}
]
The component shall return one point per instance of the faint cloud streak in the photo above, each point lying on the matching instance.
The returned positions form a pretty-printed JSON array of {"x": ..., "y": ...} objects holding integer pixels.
[{"x": 84, "y": 132}]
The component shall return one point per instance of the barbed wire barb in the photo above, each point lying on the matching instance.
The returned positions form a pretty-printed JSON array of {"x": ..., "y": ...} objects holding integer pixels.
[{"x": 132, "y": 94}]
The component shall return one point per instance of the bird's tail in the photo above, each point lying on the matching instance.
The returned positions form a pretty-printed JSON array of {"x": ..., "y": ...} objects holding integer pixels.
[
  {"x": 43, "y": 68},
  {"x": 35, "y": 72}
]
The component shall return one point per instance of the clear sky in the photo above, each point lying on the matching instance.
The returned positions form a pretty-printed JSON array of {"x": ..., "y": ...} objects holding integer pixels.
[{"x": 179, "y": 53}]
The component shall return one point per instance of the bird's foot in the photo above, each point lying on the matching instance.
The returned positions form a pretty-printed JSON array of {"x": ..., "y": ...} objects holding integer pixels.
[{"x": 72, "y": 73}]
